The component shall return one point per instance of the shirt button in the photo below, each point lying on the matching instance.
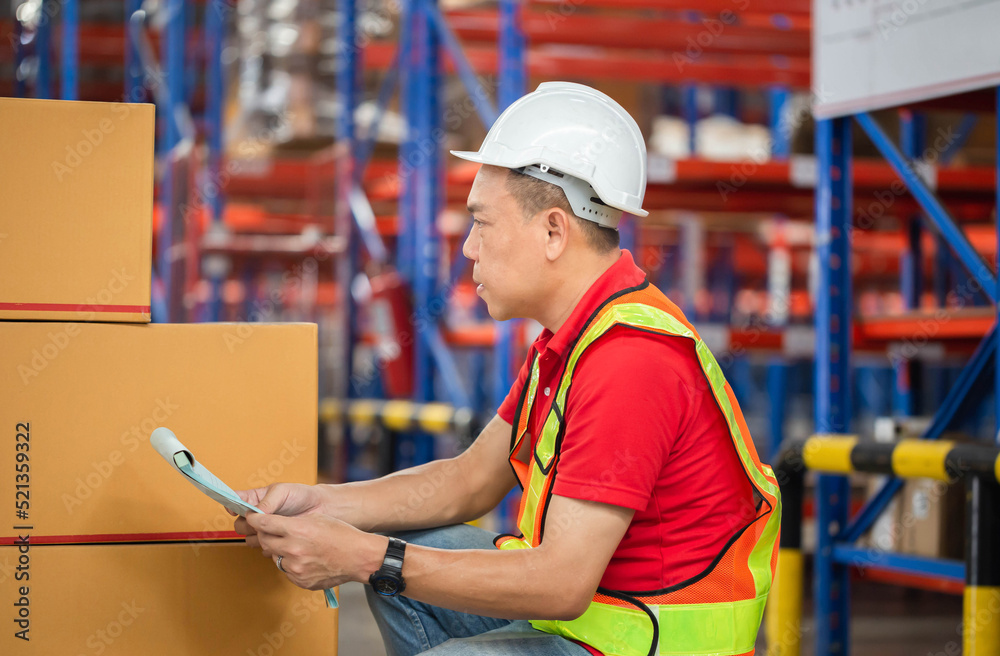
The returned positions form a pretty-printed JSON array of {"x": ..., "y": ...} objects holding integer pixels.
[{"x": 547, "y": 390}]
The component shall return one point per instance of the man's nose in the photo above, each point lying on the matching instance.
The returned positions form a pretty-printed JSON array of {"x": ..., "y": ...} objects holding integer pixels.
[{"x": 469, "y": 248}]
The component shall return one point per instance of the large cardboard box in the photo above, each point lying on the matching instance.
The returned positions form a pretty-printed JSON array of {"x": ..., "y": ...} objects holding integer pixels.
[
  {"x": 76, "y": 203},
  {"x": 933, "y": 519},
  {"x": 194, "y": 599},
  {"x": 85, "y": 397}
]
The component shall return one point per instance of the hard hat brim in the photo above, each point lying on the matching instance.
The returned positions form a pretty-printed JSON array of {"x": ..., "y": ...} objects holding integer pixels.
[
  {"x": 476, "y": 156},
  {"x": 471, "y": 155}
]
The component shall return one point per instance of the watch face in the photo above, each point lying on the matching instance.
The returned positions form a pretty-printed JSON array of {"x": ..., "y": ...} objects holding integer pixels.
[{"x": 386, "y": 586}]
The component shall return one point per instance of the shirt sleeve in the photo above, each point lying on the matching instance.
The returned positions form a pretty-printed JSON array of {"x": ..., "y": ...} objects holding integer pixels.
[
  {"x": 629, "y": 401},
  {"x": 508, "y": 408}
]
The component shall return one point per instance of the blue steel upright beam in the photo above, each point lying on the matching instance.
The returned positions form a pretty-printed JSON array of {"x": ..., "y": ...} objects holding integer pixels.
[
  {"x": 215, "y": 84},
  {"x": 833, "y": 372},
  {"x": 212, "y": 188},
  {"x": 427, "y": 135},
  {"x": 68, "y": 80},
  {"x": 347, "y": 265},
  {"x": 348, "y": 88},
  {"x": 408, "y": 152},
  {"x": 781, "y": 129},
  {"x": 906, "y": 391},
  {"x": 726, "y": 101},
  {"x": 689, "y": 111},
  {"x": 777, "y": 393},
  {"x": 511, "y": 86},
  {"x": 513, "y": 80},
  {"x": 43, "y": 51},
  {"x": 133, "y": 66},
  {"x": 173, "y": 66}
]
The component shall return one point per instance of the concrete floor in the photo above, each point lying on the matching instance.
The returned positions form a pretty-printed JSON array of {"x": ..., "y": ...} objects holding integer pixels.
[
  {"x": 886, "y": 621},
  {"x": 359, "y": 635}
]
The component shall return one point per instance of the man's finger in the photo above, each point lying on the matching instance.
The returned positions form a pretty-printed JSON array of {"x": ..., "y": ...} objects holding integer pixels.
[
  {"x": 272, "y": 545},
  {"x": 252, "y": 496},
  {"x": 270, "y": 524},
  {"x": 242, "y": 527},
  {"x": 272, "y": 500}
]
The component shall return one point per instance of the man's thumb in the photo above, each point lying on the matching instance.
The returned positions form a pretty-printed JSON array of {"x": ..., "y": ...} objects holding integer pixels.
[{"x": 271, "y": 502}]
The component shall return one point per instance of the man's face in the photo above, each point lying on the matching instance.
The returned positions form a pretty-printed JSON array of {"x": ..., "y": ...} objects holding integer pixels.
[{"x": 508, "y": 253}]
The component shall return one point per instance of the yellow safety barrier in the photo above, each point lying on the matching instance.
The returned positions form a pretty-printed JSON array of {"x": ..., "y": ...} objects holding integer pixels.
[
  {"x": 977, "y": 465},
  {"x": 921, "y": 459},
  {"x": 784, "y": 606},
  {"x": 829, "y": 453},
  {"x": 981, "y": 621}
]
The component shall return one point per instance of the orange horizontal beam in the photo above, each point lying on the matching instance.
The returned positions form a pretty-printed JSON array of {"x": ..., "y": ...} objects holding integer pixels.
[
  {"x": 476, "y": 336},
  {"x": 597, "y": 63},
  {"x": 102, "y": 43},
  {"x": 704, "y": 6},
  {"x": 292, "y": 177},
  {"x": 924, "y": 326},
  {"x": 631, "y": 31},
  {"x": 273, "y": 245}
]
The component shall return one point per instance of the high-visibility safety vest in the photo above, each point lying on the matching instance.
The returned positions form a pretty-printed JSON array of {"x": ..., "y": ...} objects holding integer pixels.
[{"x": 716, "y": 612}]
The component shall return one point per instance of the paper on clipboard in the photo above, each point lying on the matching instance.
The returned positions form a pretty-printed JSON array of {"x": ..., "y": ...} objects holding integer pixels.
[
  {"x": 182, "y": 460},
  {"x": 175, "y": 453}
]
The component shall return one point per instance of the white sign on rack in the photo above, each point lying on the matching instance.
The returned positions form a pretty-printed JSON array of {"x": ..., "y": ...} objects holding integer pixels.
[{"x": 871, "y": 54}]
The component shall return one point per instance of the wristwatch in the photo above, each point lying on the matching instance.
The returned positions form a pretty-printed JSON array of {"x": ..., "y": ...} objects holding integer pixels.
[{"x": 388, "y": 580}]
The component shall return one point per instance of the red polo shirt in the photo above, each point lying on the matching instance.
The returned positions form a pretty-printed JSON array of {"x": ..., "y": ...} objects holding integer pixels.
[{"x": 643, "y": 431}]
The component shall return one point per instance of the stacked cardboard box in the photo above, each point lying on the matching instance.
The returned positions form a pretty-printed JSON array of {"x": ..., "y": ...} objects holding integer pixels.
[
  {"x": 104, "y": 549},
  {"x": 75, "y": 219}
]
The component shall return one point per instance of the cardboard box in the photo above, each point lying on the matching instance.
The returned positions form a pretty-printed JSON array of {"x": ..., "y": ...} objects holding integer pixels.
[
  {"x": 933, "y": 519},
  {"x": 241, "y": 397},
  {"x": 194, "y": 599},
  {"x": 76, "y": 203},
  {"x": 886, "y": 531}
]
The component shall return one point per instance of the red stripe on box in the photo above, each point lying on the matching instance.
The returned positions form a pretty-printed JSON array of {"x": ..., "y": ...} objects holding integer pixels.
[
  {"x": 121, "y": 537},
  {"x": 70, "y": 307}
]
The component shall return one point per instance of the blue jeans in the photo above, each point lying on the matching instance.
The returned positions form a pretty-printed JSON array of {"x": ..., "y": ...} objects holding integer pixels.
[{"x": 411, "y": 627}]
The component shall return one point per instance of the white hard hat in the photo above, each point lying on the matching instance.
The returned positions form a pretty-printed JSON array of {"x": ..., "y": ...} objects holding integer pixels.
[{"x": 577, "y": 138}]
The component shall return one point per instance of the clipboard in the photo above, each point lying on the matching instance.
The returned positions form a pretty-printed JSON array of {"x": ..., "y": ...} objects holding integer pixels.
[{"x": 183, "y": 461}]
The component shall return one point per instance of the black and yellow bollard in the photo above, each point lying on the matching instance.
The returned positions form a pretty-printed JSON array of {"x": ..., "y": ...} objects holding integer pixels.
[
  {"x": 981, "y": 608},
  {"x": 784, "y": 604}
]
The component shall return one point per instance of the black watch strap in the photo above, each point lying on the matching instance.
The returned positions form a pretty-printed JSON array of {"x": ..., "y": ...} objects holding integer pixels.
[
  {"x": 388, "y": 579},
  {"x": 393, "y": 560}
]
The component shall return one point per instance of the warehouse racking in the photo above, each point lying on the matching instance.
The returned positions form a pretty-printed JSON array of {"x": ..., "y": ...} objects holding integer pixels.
[{"x": 836, "y": 333}]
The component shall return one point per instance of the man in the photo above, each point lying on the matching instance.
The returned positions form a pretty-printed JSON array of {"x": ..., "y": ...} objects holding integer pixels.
[{"x": 647, "y": 523}]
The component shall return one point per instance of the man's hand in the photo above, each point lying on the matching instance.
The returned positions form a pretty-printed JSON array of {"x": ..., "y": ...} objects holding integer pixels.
[
  {"x": 289, "y": 499},
  {"x": 317, "y": 551}
]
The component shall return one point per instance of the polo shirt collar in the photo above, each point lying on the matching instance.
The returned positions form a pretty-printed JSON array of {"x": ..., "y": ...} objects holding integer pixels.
[{"x": 620, "y": 275}]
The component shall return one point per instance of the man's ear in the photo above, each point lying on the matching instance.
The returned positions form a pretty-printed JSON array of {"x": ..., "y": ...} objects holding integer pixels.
[{"x": 556, "y": 222}]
